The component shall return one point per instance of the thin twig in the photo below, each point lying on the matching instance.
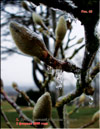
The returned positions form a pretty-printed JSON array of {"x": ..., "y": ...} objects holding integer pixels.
[
  {"x": 88, "y": 124},
  {"x": 6, "y": 119},
  {"x": 19, "y": 111},
  {"x": 32, "y": 103},
  {"x": 53, "y": 123}
]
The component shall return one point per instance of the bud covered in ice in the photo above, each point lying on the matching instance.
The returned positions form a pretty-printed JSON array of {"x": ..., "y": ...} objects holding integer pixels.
[
  {"x": 96, "y": 116},
  {"x": 27, "y": 41},
  {"x": 61, "y": 29},
  {"x": 82, "y": 98},
  {"x": 38, "y": 20},
  {"x": 43, "y": 108}
]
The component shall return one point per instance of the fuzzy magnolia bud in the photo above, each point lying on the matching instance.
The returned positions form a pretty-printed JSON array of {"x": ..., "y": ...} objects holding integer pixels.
[
  {"x": 82, "y": 98},
  {"x": 25, "y": 5},
  {"x": 27, "y": 41},
  {"x": 43, "y": 107},
  {"x": 38, "y": 20},
  {"x": 80, "y": 40},
  {"x": 61, "y": 29},
  {"x": 14, "y": 85},
  {"x": 96, "y": 116}
]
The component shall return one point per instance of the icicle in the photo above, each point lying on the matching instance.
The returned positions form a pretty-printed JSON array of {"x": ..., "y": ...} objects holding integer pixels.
[{"x": 59, "y": 78}]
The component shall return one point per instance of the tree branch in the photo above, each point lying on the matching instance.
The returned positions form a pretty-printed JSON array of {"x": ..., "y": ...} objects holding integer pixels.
[
  {"x": 6, "y": 119},
  {"x": 14, "y": 105}
]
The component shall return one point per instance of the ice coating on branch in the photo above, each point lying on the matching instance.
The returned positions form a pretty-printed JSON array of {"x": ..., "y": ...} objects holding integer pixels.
[
  {"x": 59, "y": 78},
  {"x": 27, "y": 41}
]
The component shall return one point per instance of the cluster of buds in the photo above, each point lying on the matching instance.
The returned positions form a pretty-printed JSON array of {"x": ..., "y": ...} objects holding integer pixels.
[{"x": 43, "y": 108}]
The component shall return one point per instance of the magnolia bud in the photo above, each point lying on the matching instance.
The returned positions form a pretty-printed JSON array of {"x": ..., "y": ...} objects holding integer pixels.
[
  {"x": 43, "y": 108},
  {"x": 25, "y": 5},
  {"x": 96, "y": 116},
  {"x": 80, "y": 40},
  {"x": 82, "y": 98},
  {"x": 14, "y": 85},
  {"x": 38, "y": 20},
  {"x": 27, "y": 41},
  {"x": 61, "y": 29}
]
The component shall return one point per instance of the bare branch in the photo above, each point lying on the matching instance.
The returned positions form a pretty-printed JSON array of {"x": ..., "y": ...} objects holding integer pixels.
[
  {"x": 17, "y": 108},
  {"x": 6, "y": 119}
]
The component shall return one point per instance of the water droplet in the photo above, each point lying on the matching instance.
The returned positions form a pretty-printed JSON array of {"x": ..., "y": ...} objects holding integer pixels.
[{"x": 58, "y": 78}]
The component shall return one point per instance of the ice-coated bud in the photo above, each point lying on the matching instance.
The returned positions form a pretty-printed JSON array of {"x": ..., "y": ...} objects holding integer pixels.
[
  {"x": 96, "y": 116},
  {"x": 38, "y": 20},
  {"x": 27, "y": 41},
  {"x": 82, "y": 98},
  {"x": 61, "y": 29},
  {"x": 43, "y": 108}
]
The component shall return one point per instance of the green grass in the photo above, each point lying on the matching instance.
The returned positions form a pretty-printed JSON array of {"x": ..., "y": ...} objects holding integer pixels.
[{"x": 76, "y": 119}]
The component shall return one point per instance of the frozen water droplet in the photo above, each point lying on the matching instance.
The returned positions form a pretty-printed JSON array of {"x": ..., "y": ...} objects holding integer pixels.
[{"x": 59, "y": 78}]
